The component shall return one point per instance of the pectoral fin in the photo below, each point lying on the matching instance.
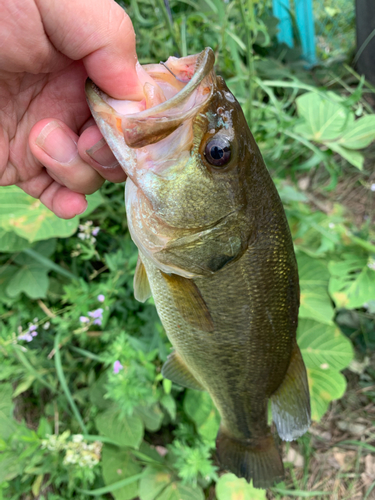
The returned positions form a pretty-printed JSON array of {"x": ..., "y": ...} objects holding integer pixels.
[
  {"x": 189, "y": 302},
  {"x": 291, "y": 402},
  {"x": 142, "y": 289},
  {"x": 176, "y": 370}
]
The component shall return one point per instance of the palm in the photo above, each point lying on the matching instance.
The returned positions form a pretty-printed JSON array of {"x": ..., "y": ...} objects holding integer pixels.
[{"x": 57, "y": 94}]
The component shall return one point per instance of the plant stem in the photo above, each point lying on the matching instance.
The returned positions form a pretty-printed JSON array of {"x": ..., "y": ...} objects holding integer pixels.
[
  {"x": 49, "y": 263},
  {"x": 249, "y": 50},
  {"x": 64, "y": 385}
]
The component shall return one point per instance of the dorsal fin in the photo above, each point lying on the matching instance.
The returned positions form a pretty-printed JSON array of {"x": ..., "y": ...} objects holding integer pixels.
[
  {"x": 189, "y": 302},
  {"x": 142, "y": 289}
]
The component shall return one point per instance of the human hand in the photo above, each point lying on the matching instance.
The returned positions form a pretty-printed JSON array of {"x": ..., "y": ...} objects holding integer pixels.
[{"x": 48, "y": 48}]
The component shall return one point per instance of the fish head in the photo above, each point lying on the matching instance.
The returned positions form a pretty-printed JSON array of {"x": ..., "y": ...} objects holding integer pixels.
[{"x": 182, "y": 148}]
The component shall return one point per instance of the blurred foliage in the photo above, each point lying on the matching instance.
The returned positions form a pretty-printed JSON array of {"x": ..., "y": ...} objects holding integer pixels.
[{"x": 84, "y": 409}]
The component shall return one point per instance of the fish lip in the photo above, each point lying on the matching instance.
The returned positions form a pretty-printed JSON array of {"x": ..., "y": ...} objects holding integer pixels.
[{"x": 204, "y": 65}]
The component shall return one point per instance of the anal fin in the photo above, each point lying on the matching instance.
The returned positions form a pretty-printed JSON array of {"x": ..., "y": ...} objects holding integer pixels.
[
  {"x": 291, "y": 402},
  {"x": 142, "y": 289},
  {"x": 189, "y": 302},
  {"x": 176, "y": 370}
]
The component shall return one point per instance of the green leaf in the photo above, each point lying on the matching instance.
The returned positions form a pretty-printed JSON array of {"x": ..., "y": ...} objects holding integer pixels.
[
  {"x": 230, "y": 487},
  {"x": 124, "y": 429},
  {"x": 325, "y": 385},
  {"x": 315, "y": 301},
  {"x": 360, "y": 135},
  {"x": 198, "y": 406},
  {"x": 153, "y": 483},
  {"x": 151, "y": 417},
  {"x": 32, "y": 279},
  {"x": 28, "y": 218},
  {"x": 6, "y": 404},
  {"x": 118, "y": 464},
  {"x": 352, "y": 282},
  {"x": 178, "y": 491},
  {"x": 353, "y": 157},
  {"x": 323, "y": 346},
  {"x": 10, "y": 242},
  {"x": 210, "y": 426},
  {"x": 325, "y": 118},
  {"x": 10, "y": 466}
]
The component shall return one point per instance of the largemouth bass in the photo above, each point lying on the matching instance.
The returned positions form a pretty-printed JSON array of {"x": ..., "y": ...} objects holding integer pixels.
[{"x": 215, "y": 252}]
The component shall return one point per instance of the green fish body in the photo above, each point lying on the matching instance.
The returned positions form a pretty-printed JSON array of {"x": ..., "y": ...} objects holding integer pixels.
[{"x": 215, "y": 252}]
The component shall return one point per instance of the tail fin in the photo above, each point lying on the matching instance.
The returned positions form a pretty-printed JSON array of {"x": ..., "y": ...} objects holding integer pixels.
[{"x": 259, "y": 461}]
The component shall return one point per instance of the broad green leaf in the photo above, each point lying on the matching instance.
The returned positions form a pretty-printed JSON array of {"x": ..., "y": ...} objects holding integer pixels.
[
  {"x": 6, "y": 404},
  {"x": 123, "y": 429},
  {"x": 152, "y": 417},
  {"x": 323, "y": 346},
  {"x": 153, "y": 483},
  {"x": 198, "y": 406},
  {"x": 353, "y": 157},
  {"x": 10, "y": 242},
  {"x": 313, "y": 278},
  {"x": 32, "y": 279},
  {"x": 178, "y": 491},
  {"x": 230, "y": 487},
  {"x": 325, "y": 385},
  {"x": 360, "y": 135},
  {"x": 352, "y": 282},
  {"x": 10, "y": 466},
  {"x": 325, "y": 118},
  {"x": 210, "y": 426},
  {"x": 28, "y": 218},
  {"x": 118, "y": 464}
]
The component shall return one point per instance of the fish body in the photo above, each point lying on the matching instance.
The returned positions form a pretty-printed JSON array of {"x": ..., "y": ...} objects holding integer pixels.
[{"x": 215, "y": 252}]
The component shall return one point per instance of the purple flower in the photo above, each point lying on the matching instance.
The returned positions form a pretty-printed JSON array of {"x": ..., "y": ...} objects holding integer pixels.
[
  {"x": 83, "y": 319},
  {"x": 32, "y": 328},
  {"x": 97, "y": 321},
  {"x": 95, "y": 231},
  {"x": 101, "y": 298},
  {"x": 25, "y": 336},
  {"x": 98, "y": 313},
  {"x": 117, "y": 366}
]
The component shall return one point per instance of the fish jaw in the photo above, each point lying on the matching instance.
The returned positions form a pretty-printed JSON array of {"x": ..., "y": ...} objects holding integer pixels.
[{"x": 171, "y": 102}]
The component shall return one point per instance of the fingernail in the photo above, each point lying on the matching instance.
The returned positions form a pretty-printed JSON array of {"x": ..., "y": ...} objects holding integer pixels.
[
  {"x": 101, "y": 153},
  {"x": 57, "y": 143}
]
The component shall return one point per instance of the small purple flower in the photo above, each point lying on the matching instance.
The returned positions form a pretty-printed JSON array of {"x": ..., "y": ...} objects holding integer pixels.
[
  {"x": 97, "y": 321},
  {"x": 372, "y": 187},
  {"x": 84, "y": 319},
  {"x": 98, "y": 313},
  {"x": 101, "y": 298},
  {"x": 34, "y": 334},
  {"x": 32, "y": 328},
  {"x": 25, "y": 336},
  {"x": 117, "y": 366},
  {"x": 95, "y": 231}
]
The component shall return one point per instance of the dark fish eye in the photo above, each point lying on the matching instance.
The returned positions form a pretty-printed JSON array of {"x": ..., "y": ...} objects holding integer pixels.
[{"x": 217, "y": 151}]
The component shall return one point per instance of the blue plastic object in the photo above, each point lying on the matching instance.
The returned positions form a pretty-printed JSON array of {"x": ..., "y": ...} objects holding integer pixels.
[
  {"x": 281, "y": 10},
  {"x": 305, "y": 22}
]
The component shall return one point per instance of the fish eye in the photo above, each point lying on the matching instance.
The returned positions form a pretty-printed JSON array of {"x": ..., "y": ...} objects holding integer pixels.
[{"x": 217, "y": 151}]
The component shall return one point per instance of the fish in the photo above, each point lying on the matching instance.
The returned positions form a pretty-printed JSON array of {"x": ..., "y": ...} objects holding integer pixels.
[{"x": 215, "y": 253}]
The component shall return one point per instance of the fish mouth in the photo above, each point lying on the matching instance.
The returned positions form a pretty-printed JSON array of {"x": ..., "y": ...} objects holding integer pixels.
[{"x": 174, "y": 92}]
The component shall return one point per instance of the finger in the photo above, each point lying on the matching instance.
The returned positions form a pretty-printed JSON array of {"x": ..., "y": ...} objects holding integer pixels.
[
  {"x": 54, "y": 144},
  {"x": 95, "y": 151},
  {"x": 102, "y": 35},
  {"x": 59, "y": 199}
]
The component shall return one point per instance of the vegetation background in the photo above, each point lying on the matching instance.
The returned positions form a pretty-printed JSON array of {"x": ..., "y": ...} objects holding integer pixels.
[{"x": 84, "y": 409}]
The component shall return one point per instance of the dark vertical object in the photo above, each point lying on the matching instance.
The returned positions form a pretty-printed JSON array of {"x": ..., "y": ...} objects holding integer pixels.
[{"x": 365, "y": 22}]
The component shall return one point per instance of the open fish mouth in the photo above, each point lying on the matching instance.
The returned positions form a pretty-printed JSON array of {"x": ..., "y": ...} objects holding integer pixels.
[{"x": 173, "y": 93}]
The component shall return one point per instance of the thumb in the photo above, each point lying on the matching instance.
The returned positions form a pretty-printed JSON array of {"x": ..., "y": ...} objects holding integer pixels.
[{"x": 101, "y": 34}]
